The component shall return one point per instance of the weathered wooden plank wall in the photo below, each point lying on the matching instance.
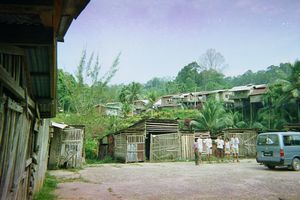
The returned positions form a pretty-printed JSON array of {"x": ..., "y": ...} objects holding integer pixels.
[
  {"x": 72, "y": 145},
  {"x": 42, "y": 147},
  {"x": 66, "y": 146},
  {"x": 19, "y": 155},
  {"x": 14, "y": 152},
  {"x": 135, "y": 148},
  {"x": 120, "y": 146},
  {"x": 187, "y": 141},
  {"x": 247, "y": 140},
  {"x": 165, "y": 147}
]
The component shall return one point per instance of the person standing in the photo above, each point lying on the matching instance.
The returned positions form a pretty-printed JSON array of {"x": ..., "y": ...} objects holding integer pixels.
[
  {"x": 200, "y": 148},
  {"x": 235, "y": 147},
  {"x": 220, "y": 147},
  {"x": 227, "y": 149},
  {"x": 208, "y": 144},
  {"x": 196, "y": 151}
]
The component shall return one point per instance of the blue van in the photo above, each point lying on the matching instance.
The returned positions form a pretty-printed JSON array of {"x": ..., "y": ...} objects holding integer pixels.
[{"x": 279, "y": 149}]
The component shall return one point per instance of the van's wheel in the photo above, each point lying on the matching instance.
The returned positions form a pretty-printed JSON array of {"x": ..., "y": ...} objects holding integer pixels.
[
  {"x": 296, "y": 164},
  {"x": 271, "y": 166}
]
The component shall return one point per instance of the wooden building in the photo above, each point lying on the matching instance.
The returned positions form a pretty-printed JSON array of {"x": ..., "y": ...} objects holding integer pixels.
[
  {"x": 171, "y": 101},
  {"x": 256, "y": 100},
  {"x": 152, "y": 139},
  {"x": 140, "y": 106},
  {"x": 66, "y": 146},
  {"x": 28, "y": 39}
]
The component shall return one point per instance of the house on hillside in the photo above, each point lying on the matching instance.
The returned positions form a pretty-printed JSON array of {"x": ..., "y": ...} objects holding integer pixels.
[
  {"x": 29, "y": 34},
  {"x": 157, "y": 104},
  {"x": 189, "y": 100},
  {"x": 240, "y": 96},
  {"x": 171, "y": 101},
  {"x": 110, "y": 109},
  {"x": 140, "y": 106},
  {"x": 256, "y": 100},
  {"x": 66, "y": 146}
]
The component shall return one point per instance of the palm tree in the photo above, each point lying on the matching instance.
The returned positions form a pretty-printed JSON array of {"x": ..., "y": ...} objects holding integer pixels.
[
  {"x": 152, "y": 97},
  {"x": 234, "y": 120},
  {"x": 291, "y": 87},
  {"x": 276, "y": 105},
  {"x": 211, "y": 116},
  {"x": 134, "y": 90},
  {"x": 282, "y": 99}
]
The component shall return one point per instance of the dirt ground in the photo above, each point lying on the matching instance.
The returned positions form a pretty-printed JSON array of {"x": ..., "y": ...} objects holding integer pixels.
[{"x": 179, "y": 180}]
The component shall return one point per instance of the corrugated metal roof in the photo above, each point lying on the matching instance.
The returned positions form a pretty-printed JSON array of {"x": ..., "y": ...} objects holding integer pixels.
[
  {"x": 59, "y": 125},
  {"x": 241, "y": 88},
  {"x": 258, "y": 91}
]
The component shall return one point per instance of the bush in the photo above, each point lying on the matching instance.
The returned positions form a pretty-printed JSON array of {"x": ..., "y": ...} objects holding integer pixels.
[{"x": 91, "y": 148}]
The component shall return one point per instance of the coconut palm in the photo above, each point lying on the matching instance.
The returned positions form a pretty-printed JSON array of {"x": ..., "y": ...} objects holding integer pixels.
[{"x": 211, "y": 116}]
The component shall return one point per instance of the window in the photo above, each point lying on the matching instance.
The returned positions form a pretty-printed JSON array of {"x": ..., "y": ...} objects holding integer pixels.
[
  {"x": 291, "y": 140},
  {"x": 297, "y": 140},
  {"x": 287, "y": 140},
  {"x": 270, "y": 140}
]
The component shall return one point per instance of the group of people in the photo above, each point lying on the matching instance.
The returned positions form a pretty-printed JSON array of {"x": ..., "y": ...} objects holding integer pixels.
[{"x": 224, "y": 148}]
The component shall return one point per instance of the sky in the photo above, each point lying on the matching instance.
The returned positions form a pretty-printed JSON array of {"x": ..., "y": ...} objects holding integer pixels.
[{"x": 157, "y": 38}]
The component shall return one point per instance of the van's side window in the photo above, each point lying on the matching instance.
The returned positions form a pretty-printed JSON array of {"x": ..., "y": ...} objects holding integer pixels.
[
  {"x": 297, "y": 140},
  {"x": 290, "y": 140},
  {"x": 287, "y": 140}
]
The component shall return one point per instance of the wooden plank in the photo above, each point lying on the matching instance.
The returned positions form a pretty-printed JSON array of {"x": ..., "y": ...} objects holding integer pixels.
[
  {"x": 28, "y": 162},
  {"x": 11, "y": 84},
  {"x": 14, "y": 106},
  {"x": 18, "y": 70},
  {"x": 12, "y": 50},
  {"x": 10, "y": 156}
]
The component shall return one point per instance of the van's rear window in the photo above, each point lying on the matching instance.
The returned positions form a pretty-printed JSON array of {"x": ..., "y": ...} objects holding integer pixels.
[{"x": 270, "y": 140}]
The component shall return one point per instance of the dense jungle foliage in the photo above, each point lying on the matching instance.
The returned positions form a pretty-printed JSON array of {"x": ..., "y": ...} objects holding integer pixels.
[{"x": 78, "y": 95}]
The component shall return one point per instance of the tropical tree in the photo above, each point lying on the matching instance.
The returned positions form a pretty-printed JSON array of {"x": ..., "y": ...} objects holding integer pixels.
[
  {"x": 85, "y": 96},
  {"x": 151, "y": 97},
  {"x": 233, "y": 120},
  {"x": 211, "y": 116},
  {"x": 211, "y": 79},
  {"x": 212, "y": 59},
  {"x": 134, "y": 90},
  {"x": 66, "y": 84},
  {"x": 130, "y": 93},
  {"x": 187, "y": 77},
  {"x": 282, "y": 98},
  {"x": 274, "y": 114}
]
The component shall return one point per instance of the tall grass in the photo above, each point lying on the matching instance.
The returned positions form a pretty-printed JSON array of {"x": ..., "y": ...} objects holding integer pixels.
[{"x": 46, "y": 193}]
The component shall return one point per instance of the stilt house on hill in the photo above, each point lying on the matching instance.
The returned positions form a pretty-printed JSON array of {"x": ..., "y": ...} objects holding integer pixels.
[{"x": 28, "y": 47}]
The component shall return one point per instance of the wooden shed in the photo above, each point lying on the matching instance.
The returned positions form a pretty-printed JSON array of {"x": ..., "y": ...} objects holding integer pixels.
[
  {"x": 28, "y": 42},
  {"x": 151, "y": 139},
  {"x": 247, "y": 138},
  {"x": 66, "y": 146}
]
